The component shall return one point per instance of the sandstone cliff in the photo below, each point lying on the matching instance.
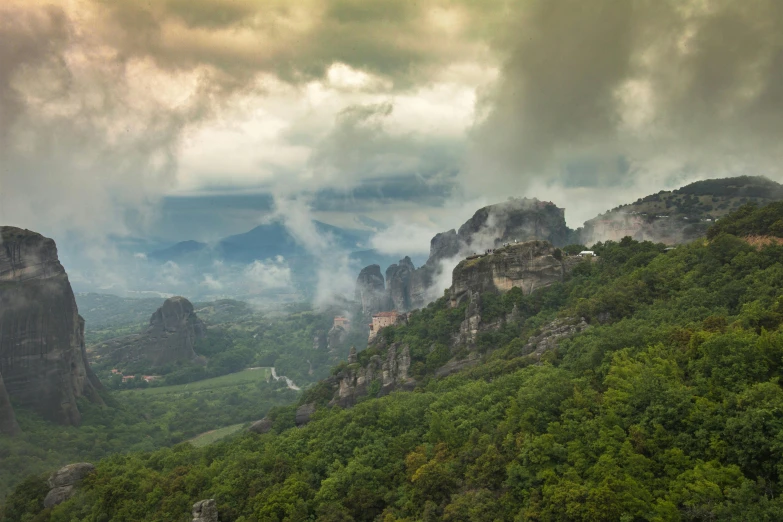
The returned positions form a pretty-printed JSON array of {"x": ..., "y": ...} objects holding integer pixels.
[
  {"x": 398, "y": 284},
  {"x": 389, "y": 372},
  {"x": 528, "y": 266},
  {"x": 371, "y": 290},
  {"x": 43, "y": 362},
  {"x": 490, "y": 227},
  {"x": 172, "y": 331}
]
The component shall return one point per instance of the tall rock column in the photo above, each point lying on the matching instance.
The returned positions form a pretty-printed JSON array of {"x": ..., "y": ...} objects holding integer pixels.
[
  {"x": 42, "y": 355},
  {"x": 371, "y": 291},
  {"x": 398, "y": 284}
]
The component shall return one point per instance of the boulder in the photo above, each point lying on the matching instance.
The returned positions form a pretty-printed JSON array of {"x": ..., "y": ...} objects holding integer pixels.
[
  {"x": 205, "y": 511},
  {"x": 303, "y": 413},
  {"x": 43, "y": 361},
  {"x": 64, "y": 481},
  {"x": 58, "y": 495},
  {"x": 262, "y": 426}
]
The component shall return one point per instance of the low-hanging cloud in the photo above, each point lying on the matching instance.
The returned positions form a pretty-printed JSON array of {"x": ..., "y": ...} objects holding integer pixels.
[
  {"x": 632, "y": 94},
  {"x": 107, "y": 106}
]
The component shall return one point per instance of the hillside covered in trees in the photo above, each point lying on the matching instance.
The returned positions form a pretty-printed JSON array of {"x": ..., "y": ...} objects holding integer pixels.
[{"x": 668, "y": 407}]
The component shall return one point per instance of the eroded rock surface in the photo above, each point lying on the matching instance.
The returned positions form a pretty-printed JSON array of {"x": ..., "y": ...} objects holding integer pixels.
[
  {"x": 553, "y": 333},
  {"x": 43, "y": 362},
  {"x": 205, "y": 511},
  {"x": 303, "y": 413},
  {"x": 262, "y": 426},
  {"x": 391, "y": 372},
  {"x": 528, "y": 266},
  {"x": 64, "y": 481},
  {"x": 398, "y": 284},
  {"x": 489, "y": 228},
  {"x": 371, "y": 291},
  {"x": 169, "y": 338},
  {"x": 8, "y": 424}
]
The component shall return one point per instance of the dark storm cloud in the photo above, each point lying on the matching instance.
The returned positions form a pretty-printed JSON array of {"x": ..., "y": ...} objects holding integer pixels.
[
  {"x": 587, "y": 83},
  {"x": 298, "y": 41}
]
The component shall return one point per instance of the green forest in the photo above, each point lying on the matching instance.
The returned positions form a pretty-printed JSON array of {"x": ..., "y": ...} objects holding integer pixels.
[{"x": 669, "y": 407}]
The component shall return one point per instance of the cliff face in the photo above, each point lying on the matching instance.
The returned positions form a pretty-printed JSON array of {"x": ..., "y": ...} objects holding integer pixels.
[
  {"x": 371, "y": 290},
  {"x": 173, "y": 329},
  {"x": 517, "y": 219},
  {"x": 528, "y": 266},
  {"x": 398, "y": 283},
  {"x": 390, "y": 372},
  {"x": 42, "y": 356}
]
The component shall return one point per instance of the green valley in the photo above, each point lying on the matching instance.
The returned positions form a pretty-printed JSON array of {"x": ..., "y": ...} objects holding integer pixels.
[{"x": 667, "y": 407}]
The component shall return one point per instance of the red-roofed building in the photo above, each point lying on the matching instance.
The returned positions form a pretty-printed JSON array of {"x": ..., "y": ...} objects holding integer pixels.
[
  {"x": 342, "y": 322},
  {"x": 126, "y": 378},
  {"x": 382, "y": 320}
]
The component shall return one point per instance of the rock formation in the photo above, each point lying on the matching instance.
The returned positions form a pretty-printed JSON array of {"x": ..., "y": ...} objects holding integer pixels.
[
  {"x": 335, "y": 339},
  {"x": 390, "y": 372},
  {"x": 8, "y": 424},
  {"x": 371, "y": 290},
  {"x": 172, "y": 331},
  {"x": 551, "y": 335},
  {"x": 43, "y": 362},
  {"x": 64, "y": 481},
  {"x": 303, "y": 414},
  {"x": 528, "y": 266},
  {"x": 262, "y": 426},
  {"x": 489, "y": 228},
  {"x": 205, "y": 511},
  {"x": 398, "y": 284}
]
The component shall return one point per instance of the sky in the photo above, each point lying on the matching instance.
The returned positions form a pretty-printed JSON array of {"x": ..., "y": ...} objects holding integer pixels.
[{"x": 145, "y": 118}]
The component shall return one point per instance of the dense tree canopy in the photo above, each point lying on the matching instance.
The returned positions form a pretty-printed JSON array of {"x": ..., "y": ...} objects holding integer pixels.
[{"x": 669, "y": 407}]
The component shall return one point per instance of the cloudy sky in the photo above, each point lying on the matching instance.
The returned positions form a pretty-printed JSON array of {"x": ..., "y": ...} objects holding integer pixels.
[{"x": 143, "y": 117}]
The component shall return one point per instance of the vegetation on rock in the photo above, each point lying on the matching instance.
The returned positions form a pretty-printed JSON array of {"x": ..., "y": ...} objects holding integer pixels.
[{"x": 668, "y": 407}]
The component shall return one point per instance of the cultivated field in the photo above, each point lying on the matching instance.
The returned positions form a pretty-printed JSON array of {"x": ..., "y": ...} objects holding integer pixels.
[{"x": 224, "y": 381}]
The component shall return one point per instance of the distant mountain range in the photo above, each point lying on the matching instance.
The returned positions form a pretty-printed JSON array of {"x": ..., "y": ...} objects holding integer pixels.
[{"x": 271, "y": 240}]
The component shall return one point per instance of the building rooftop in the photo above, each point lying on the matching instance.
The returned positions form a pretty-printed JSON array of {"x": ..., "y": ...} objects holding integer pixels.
[{"x": 393, "y": 313}]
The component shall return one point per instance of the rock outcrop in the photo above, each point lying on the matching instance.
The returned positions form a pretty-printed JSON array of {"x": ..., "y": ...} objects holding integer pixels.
[
  {"x": 172, "y": 331},
  {"x": 262, "y": 426},
  {"x": 398, "y": 284},
  {"x": 43, "y": 362},
  {"x": 527, "y": 266},
  {"x": 490, "y": 227},
  {"x": 335, "y": 339},
  {"x": 371, "y": 290},
  {"x": 8, "y": 424},
  {"x": 389, "y": 372},
  {"x": 303, "y": 414},
  {"x": 205, "y": 511},
  {"x": 551, "y": 335},
  {"x": 64, "y": 481}
]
